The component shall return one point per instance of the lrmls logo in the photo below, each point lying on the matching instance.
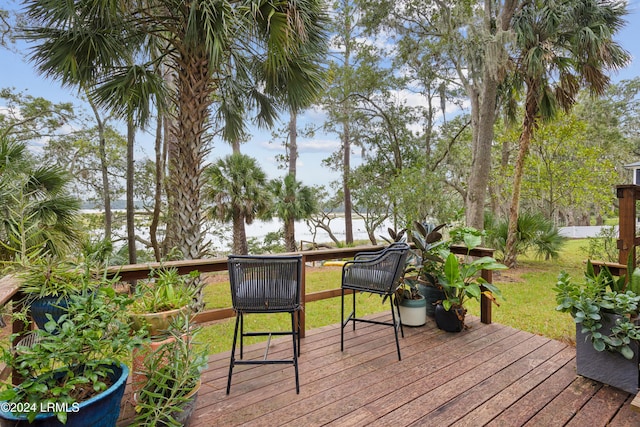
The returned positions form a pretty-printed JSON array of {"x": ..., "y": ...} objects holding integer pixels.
[{"x": 59, "y": 407}]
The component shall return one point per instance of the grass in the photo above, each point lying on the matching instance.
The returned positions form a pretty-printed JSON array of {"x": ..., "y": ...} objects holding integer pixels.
[
  {"x": 219, "y": 335},
  {"x": 529, "y": 300}
]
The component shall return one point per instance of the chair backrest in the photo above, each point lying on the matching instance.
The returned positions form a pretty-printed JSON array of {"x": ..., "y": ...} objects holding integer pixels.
[
  {"x": 378, "y": 271},
  {"x": 265, "y": 283}
]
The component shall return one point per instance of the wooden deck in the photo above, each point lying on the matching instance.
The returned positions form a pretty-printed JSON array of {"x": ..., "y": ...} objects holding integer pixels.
[{"x": 487, "y": 375}]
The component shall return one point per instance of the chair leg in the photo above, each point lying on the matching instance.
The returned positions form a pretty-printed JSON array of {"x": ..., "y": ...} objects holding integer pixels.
[
  {"x": 395, "y": 325},
  {"x": 241, "y": 335},
  {"x": 342, "y": 321},
  {"x": 296, "y": 349},
  {"x": 233, "y": 352},
  {"x": 399, "y": 318},
  {"x": 354, "y": 310},
  {"x": 297, "y": 317}
]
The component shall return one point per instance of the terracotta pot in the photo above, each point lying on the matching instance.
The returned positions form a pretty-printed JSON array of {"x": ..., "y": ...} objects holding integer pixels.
[
  {"x": 157, "y": 323},
  {"x": 138, "y": 379}
]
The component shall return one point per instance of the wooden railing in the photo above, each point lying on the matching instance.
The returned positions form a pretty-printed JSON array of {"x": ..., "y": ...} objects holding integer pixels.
[
  {"x": 627, "y": 195},
  {"x": 9, "y": 286},
  {"x": 141, "y": 271}
]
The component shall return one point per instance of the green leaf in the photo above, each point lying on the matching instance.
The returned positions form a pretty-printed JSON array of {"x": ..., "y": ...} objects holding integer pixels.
[
  {"x": 626, "y": 352},
  {"x": 452, "y": 270},
  {"x": 473, "y": 290},
  {"x": 599, "y": 345}
]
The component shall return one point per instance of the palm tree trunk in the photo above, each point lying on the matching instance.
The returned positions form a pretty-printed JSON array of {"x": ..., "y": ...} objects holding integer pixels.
[
  {"x": 193, "y": 98},
  {"x": 531, "y": 106},
  {"x": 290, "y": 235},
  {"x": 240, "y": 246},
  {"x": 131, "y": 227},
  {"x": 293, "y": 143}
]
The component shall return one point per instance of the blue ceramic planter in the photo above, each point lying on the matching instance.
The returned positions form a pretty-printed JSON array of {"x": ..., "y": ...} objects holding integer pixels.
[
  {"x": 52, "y": 305},
  {"x": 102, "y": 410}
]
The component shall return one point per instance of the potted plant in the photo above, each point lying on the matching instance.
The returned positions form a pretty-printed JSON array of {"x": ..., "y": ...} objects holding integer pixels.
[
  {"x": 160, "y": 300},
  {"x": 411, "y": 304},
  {"x": 607, "y": 330},
  {"x": 429, "y": 261},
  {"x": 158, "y": 303},
  {"x": 461, "y": 280},
  {"x": 172, "y": 373},
  {"x": 48, "y": 283},
  {"x": 73, "y": 366}
]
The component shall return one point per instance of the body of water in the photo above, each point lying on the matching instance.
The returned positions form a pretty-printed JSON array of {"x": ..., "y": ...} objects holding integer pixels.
[{"x": 260, "y": 229}]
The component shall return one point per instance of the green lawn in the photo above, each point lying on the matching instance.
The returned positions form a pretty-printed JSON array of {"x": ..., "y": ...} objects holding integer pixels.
[{"x": 529, "y": 302}]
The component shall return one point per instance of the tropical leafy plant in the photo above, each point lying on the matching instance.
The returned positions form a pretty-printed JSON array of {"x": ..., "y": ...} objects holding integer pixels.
[
  {"x": 534, "y": 232},
  {"x": 430, "y": 249},
  {"x": 37, "y": 215},
  {"x": 461, "y": 280},
  {"x": 407, "y": 290}
]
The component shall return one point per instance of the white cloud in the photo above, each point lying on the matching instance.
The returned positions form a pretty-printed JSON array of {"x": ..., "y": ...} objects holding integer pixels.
[{"x": 318, "y": 145}]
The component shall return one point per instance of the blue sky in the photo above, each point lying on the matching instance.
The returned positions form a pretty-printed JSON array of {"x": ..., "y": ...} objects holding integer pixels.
[{"x": 17, "y": 73}]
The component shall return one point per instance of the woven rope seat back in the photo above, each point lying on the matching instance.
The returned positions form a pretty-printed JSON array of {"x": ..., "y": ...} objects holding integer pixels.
[{"x": 265, "y": 283}]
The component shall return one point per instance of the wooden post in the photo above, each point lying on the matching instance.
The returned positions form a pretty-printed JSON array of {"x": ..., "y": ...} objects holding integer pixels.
[
  {"x": 485, "y": 303},
  {"x": 627, "y": 222},
  {"x": 303, "y": 298}
]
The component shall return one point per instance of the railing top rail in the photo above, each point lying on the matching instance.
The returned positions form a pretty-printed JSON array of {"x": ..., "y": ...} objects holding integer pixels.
[
  {"x": 206, "y": 265},
  {"x": 9, "y": 285}
]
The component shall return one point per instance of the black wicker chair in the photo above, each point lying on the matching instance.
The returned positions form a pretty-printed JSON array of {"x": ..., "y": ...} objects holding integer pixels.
[
  {"x": 378, "y": 273},
  {"x": 265, "y": 284}
]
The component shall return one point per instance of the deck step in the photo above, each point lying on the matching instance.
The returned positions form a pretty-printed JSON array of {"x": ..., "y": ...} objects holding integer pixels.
[{"x": 635, "y": 404}]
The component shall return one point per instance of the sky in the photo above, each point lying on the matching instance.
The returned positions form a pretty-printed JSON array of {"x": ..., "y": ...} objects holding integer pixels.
[{"x": 16, "y": 72}]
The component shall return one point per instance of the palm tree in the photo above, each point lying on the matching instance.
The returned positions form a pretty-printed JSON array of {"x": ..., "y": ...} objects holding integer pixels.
[
  {"x": 89, "y": 46},
  {"x": 37, "y": 216},
  {"x": 237, "y": 188},
  {"x": 293, "y": 201},
  {"x": 562, "y": 46},
  {"x": 215, "y": 51}
]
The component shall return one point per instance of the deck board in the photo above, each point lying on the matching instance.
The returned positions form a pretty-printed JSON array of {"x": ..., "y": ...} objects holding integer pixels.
[{"x": 487, "y": 375}]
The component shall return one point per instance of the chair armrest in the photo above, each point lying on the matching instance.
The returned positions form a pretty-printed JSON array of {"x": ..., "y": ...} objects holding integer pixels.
[
  {"x": 377, "y": 273},
  {"x": 375, "y": 254}
]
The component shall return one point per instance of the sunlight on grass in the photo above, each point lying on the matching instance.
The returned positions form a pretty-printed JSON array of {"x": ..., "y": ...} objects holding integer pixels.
[{"x": 529, "y": 300}]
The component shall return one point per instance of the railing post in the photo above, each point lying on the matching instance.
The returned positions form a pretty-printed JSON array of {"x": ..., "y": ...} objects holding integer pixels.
[
  {"x": 485, "y": 302},
  {"x": 627, "y": 222},
  {"x": 303, "y": 298}
]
